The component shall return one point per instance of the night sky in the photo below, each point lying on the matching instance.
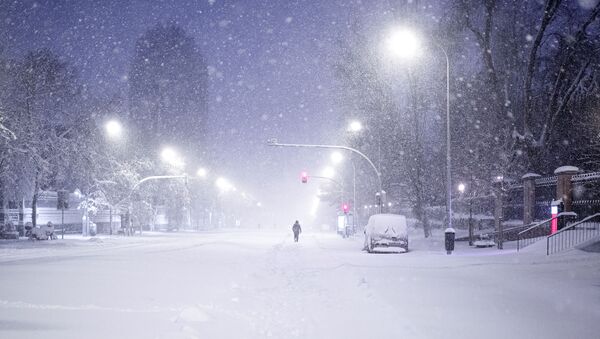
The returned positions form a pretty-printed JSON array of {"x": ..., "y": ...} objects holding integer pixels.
[{"x": 270, "y": 66}]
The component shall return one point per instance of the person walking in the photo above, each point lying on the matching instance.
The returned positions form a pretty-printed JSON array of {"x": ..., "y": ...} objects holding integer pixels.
[{"x": 297, "y": 230}]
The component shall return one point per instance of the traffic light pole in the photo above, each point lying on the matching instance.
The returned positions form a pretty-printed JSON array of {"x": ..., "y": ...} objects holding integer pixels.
[{"x": 275, "y": 143}]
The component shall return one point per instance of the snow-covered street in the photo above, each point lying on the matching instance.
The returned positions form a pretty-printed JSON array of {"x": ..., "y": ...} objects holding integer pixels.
[{"x": 241, "y": 284}]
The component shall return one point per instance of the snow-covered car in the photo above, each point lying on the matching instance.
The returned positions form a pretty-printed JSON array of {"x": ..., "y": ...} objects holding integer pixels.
[{"x": 386, "y": 230}]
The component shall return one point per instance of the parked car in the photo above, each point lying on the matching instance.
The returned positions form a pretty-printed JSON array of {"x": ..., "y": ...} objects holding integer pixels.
[{"x": 386, "y": 230}]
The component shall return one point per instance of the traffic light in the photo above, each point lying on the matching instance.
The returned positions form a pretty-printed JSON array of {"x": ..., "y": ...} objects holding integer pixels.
[
  {"x": 304, "y": 177},
  {"x": 345, "y": 208}
]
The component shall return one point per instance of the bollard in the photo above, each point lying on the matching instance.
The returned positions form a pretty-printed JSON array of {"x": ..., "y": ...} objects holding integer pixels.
[{"x": 449, "y": 235}]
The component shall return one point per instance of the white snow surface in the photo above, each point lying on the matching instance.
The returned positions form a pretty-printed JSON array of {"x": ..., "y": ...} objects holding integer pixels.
[
  {"x": 531, "y": 175},
  {"x": 566, "y": 169},
  {"x": 242, "y": 284}
]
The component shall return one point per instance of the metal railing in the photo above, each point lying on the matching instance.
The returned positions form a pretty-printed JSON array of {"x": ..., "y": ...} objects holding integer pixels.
[
  {"x": 573, "y": 235},
  {"x": 538, "y": 230}
]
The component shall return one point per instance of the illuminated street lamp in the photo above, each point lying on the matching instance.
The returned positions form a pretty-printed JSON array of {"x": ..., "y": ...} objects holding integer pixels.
[
  {"x": 328, "y": 172},
  {"x": 224, "y": 185},
  {"x": 405, "y": 44},
  {"x": 336, "y": 157},
  {"x": 114, "y": 130},
  {"x": 355, "y": 126},
  {"x": 201, "y": 172},
  {"x": 171, "y": 157}
]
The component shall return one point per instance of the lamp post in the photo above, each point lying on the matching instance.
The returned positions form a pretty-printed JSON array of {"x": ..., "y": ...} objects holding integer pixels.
[
  {"x": 405, "y": 44},
  {"x": 114, "y": 129},
  {"x": 114, "y": 132}
]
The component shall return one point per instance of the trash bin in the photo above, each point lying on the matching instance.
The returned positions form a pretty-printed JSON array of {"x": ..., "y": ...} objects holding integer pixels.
[{"x": 449, "y": 239}]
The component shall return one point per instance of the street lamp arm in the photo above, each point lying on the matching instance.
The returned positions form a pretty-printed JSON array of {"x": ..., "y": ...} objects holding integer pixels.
[
  {"x": 154, "y": 177},
  {"x": 273, "y": 142},
  {"x": 158, "y": 177}
]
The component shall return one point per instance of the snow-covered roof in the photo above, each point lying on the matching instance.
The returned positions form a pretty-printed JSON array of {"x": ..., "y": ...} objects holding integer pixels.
[
  {"x": 566, "y": 169},
  {"x": 530, "y": 175}
]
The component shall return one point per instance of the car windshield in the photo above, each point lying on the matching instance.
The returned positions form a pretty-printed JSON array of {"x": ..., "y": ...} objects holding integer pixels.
[{"x": 299, "y": 169}]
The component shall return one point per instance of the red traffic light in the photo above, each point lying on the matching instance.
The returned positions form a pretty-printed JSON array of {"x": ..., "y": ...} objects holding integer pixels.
[
  {"x": 345, "y": 208},
  {"x": 304, "y": 177}
]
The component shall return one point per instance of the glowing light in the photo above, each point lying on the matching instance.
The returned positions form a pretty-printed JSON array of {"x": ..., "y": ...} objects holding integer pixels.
[
  {"x": 328, "y": 172},
  {"x": 355, "y": 126},
  {"x": 336, "y": 157},
  {"x": 114, "y": 129},
  {"x": 461, "y": 187},
  {"x": 404, "y": 44},
  {"x": 201, "y": 172},
  {"x": 171, "y": 157},
  {"x": 224, "y": 185}
]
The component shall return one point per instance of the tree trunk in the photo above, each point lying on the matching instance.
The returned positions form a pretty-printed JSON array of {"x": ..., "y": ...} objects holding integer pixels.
[{"x": 34, "y": 200}]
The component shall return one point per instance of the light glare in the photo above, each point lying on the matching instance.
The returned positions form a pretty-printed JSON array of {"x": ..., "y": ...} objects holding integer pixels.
[
  {"x": 355, "y": 126},
  {"x": 336, "y": 157},
  {"x": 113, "y": 129},
  {"x": 202, "y": 172},
  {"x": 404, "y": 44},
  {"x": 171, "y": 157},
  {"x": 328, "y": 172}
]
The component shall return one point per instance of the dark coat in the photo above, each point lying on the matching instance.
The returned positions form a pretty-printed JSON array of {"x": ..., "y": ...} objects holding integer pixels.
[{"x": 296, "y": 228}]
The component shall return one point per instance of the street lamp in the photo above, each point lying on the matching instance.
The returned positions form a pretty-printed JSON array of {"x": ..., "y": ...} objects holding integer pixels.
[
  {"x": 336, "y": 157},
  {"x": 355, "y": 126},
  {"x": 328, "y": 172},
  {"x": 462, "y": 189},
  {"x": 171, "y": 157},
  {"x": 405, "y": 44},
  {"x": 114, "y": 129},
  {"x": 224, "y": 185},
  {"x": 201, "y": 172},
  {"x": 114, "y": 132}
]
